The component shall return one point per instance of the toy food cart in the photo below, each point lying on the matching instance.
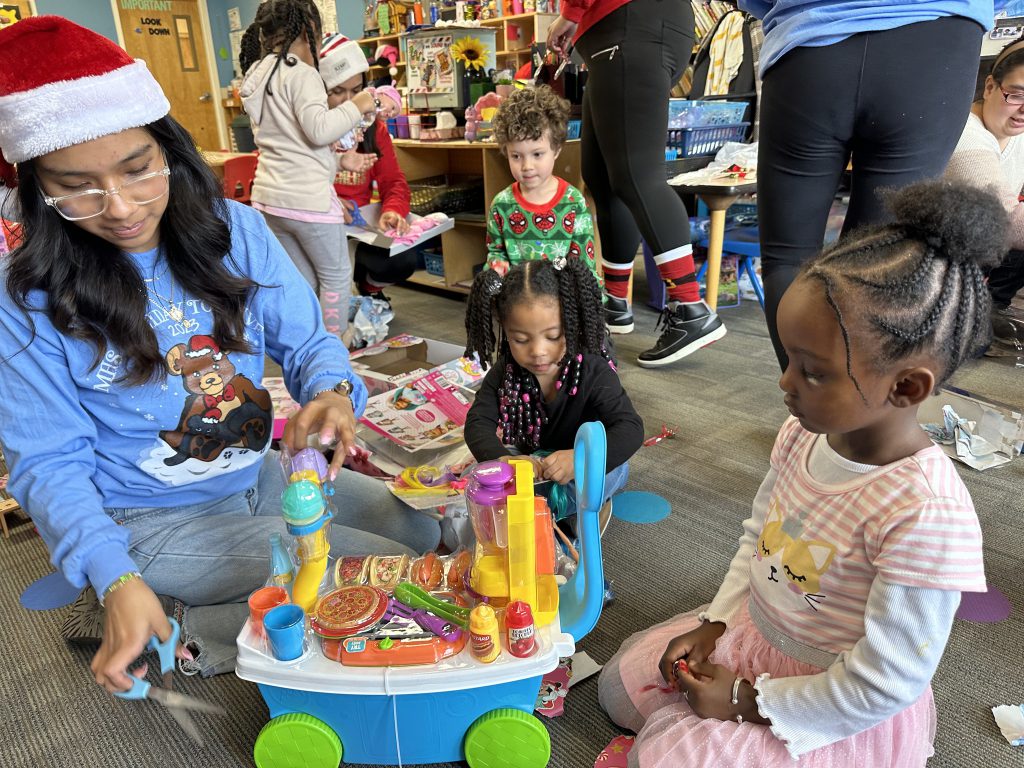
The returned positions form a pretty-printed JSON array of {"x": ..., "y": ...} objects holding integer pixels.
[{"x": 323, "y": 712}]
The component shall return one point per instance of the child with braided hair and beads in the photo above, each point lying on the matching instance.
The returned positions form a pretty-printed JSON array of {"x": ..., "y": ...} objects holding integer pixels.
[
  {"x": 819, "y": 648},
  {"x": 550, "y": 372}
]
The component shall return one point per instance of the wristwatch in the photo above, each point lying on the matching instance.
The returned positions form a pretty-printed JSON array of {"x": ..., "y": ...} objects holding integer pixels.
[{"x": 343, "y": 387}]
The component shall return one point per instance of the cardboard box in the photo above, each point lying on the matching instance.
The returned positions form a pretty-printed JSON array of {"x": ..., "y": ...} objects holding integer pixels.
[
  {"x": 400, "y": 359},
  {"x": 371, "y": 234}
]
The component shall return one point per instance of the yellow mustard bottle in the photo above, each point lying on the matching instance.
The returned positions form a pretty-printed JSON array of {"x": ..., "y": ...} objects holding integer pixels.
[{"x": 484, "y": 636}]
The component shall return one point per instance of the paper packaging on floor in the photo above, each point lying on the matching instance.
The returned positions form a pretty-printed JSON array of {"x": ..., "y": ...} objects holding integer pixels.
[
  {"x": 372, "y": 235},
  {"x": 980, "y": 433},
  {"x": 429, "y": 412},
  {"x": 556, "y": 684},
  {"x": 616, "y": 754},
  {"x": 400, "y": 359},
  {"x": 1010, "y": 720}
]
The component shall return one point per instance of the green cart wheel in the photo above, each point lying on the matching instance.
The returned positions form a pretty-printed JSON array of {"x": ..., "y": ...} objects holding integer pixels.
[
  {"x": 507, "y": 738},
  {"x": 297, "y": 740}
]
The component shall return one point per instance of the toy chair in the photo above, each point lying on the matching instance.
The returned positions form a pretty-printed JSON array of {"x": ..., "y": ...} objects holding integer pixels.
[
  {"x": 238, "y": 177},
  {"x": 322, "y": 713}
]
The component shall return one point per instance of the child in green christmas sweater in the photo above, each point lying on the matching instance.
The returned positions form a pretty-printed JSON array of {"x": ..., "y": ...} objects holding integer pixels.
[{"x": 540, "y": 216}]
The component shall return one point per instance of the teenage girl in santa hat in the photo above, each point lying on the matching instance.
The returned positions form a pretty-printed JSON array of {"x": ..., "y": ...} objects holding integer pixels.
[{"x": 137, "y": 298}]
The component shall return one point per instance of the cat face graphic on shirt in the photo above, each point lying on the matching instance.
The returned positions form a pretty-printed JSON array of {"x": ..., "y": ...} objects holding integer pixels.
[{"x": 788, "y": 566}]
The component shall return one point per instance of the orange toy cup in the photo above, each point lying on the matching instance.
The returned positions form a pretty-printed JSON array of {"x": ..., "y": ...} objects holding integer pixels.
[{"x": 261, "y": 601}]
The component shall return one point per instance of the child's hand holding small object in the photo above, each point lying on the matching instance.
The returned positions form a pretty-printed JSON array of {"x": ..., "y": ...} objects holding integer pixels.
[{"x": 558, "y": 467}]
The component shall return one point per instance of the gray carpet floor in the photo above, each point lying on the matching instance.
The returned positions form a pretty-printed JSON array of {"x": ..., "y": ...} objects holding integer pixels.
[{"x": 726, "y": 406}]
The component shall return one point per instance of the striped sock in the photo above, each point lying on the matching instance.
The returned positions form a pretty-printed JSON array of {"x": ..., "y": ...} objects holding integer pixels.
[
  {"x": 676, "y": 269},
  {"x": 616, "y": 278}
]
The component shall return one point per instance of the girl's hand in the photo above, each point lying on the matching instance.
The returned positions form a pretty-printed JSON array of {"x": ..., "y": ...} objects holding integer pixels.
[
  {"x": 365, "y": 102},
  {"x": 133, "y": 615},
  {"x": 708, "y": 689},
  {"x": 538, "y": 469},
  {"x": 560, "y": 35},
  {"x": 695, "y": 647},
  {"x": 391, "y": 220},
  {"x": 329, "y": 413},
  {"x": 558, "y": 467},
  {"x": 356, "y": 162}
]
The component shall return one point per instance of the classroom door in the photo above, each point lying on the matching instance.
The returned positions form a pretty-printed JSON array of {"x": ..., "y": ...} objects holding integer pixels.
[{"x": 171, "y": 42}]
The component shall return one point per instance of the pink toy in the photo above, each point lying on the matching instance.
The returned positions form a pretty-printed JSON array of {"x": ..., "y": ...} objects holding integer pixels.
[{"x": 387, "y": 54}]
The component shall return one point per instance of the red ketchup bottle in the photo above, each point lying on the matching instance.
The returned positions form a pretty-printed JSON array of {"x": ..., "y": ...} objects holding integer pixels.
[{"x": 522, "y": 640}]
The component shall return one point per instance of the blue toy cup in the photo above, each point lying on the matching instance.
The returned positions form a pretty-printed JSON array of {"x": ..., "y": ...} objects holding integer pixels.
[{"x": 285, "y": 627}]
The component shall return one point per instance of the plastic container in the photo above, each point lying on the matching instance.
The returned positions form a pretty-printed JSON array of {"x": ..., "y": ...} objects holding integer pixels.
[
  {"x": 519, "y": 630},
  {"x": 489, "y": 485},
  {"x": 402, "y": 126},
  {"x": 692, "y": 142},
  {"x": 484, "y": 639},
  {"x": 433, "y": 262},
  {"x": 683, "y": 113},
  {"x": 573, "y": 129}
]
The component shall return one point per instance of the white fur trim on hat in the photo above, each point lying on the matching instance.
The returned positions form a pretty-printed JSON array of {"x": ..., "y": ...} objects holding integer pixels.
[
  {"x": 62, "y": 114},
  {"x": 342, "y": 62}
]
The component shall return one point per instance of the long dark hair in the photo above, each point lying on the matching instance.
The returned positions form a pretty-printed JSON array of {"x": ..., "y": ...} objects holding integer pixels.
[
  {"x": 94, "y": 291},
  {"x": 277, "y": 25}
]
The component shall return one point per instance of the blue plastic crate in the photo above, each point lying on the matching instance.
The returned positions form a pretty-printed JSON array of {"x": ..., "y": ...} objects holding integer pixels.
[
  {"x": 683, "y": 113},
  {"x": 693, "y": 142},
  {"x": 433, "y": 262},
  {"x": 573, "y": 129}
]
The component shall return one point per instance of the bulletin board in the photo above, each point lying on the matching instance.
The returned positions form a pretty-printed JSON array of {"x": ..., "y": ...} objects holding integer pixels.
[{"x": 430, "y": 65}]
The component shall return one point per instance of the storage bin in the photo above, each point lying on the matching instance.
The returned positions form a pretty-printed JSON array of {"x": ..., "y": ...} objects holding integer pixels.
[
  {"x": 574, "y": 129},
  {"x": 683, "y": 113},
  {"x": 433, "y": 262},
  {"x": 692, "y": 142},
  {"x": 439, "y": 193},
  {"x": 402, "y": 127}
]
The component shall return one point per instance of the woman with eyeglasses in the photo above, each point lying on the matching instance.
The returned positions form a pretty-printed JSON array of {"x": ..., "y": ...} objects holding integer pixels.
[
  {"x": 135, "y": 318},
  {"x": 990, "y": 154},
  {"x": 884, "y": 85}
]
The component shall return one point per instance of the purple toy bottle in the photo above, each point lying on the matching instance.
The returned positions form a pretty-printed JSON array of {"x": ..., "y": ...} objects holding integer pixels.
[{"x": 489, "y": 485}]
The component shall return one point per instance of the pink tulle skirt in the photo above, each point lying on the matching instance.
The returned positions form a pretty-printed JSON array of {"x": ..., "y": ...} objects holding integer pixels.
[{"x": 670, "y": 735}]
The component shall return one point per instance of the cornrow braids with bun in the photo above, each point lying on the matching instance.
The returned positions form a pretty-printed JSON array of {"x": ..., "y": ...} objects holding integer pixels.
[
  {"x": 277, "y": 25},
  {"x": 918, "y": 284},
  {"x": 491, "y": 299}
]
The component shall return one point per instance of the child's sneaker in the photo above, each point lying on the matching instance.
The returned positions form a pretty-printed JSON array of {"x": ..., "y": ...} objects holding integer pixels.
[
  {"x": 618, "y": 315},
  {"x": 687, "y": 328}
]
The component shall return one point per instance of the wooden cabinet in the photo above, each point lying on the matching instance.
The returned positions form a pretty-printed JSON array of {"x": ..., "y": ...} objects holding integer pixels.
[{"x": 464, "y": 246}]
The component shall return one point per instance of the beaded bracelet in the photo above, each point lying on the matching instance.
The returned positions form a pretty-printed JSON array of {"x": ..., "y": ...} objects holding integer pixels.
[{"x": 117, "y": 583}]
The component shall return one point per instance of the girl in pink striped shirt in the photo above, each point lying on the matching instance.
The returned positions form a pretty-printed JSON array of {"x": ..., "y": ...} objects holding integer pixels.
[{"x": 820, "y": 646}]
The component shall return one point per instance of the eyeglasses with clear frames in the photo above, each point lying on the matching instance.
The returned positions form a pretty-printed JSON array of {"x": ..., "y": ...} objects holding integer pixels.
[
  {"x": 93, "y": 202},
  {"x": 1014, "y": 98}
]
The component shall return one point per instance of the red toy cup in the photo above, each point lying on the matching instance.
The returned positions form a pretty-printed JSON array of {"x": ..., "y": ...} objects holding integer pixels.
[{"x": 261, "y": 601}]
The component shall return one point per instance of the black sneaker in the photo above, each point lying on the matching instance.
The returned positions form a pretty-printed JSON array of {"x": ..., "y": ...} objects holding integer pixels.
[
  {"x": 617, "y": 315},
  {"x": 687, "y": 328}
]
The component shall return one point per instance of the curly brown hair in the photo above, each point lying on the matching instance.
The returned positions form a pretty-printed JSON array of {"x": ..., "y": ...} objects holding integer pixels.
[{"x": 527, "y": 113}]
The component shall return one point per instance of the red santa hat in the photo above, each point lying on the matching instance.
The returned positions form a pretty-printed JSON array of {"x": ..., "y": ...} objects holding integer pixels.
[
  {"x": 61, "y": 85},
  {"x": 201, "y": 346},
  {"x": 340, "y": 59}
]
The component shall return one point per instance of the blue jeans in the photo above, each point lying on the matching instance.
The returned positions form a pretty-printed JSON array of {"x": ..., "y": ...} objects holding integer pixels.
[{"x": 212, "y": 556}]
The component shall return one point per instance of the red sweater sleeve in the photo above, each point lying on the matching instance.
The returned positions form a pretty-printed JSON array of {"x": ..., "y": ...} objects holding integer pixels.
[
  {"x": 394, "y": 189},
  {"x": 575, "y": 10}
]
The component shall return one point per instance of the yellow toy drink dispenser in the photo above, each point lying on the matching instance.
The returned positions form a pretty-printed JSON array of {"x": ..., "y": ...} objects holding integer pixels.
[
  {"x": 305, "y": 511},
  {"x": 514, "y": 558}
]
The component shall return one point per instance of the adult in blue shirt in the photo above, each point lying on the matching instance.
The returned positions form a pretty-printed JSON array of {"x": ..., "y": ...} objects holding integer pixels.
[
  {"x": 135, "y": 318},
  {"x": 886, "y": 84}
]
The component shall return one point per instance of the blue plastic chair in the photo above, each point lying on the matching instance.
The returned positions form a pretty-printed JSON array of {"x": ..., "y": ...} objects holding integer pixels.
[
  {"x": 744, "y": 242},
  {"x": 581, "y": 598}
]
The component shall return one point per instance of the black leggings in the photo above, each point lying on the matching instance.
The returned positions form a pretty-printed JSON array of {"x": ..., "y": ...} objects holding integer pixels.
[
  {"x": 1006, "y": 279},
  {"x": 635, "y": 55},
  {"x": 895, "y": 102},
  {"x": 381, "y": 268}
]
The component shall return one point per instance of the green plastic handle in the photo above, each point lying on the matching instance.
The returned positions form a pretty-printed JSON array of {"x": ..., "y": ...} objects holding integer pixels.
[{"x": 417, "y": 597}]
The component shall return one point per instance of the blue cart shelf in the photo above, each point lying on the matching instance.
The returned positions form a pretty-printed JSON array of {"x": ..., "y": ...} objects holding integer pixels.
[{"x": 323, "y": 713}]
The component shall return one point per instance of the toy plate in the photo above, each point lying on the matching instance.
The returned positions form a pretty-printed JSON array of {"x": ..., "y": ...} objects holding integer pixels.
[{"x": 348, "y": 610}]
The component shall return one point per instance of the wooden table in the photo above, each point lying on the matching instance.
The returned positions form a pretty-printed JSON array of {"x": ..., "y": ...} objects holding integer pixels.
[
  {"x": 464, "y": 246},
  {"x": 216, "y": 160},
  {"x": 718, "y": 195}
]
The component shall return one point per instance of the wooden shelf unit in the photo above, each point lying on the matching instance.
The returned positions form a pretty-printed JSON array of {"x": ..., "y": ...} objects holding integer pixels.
[{"x": 464, "y": 246}]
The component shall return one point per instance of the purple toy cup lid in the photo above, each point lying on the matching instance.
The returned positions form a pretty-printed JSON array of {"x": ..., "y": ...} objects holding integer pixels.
[{"x": 489, "y": 481}]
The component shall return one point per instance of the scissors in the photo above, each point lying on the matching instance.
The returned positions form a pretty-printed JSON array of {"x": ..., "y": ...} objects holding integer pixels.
[{"x": 177, "y": 703}]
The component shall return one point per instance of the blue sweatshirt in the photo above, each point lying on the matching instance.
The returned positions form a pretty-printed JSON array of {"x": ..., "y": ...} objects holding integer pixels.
[
  {"x": 790, "y": 24},
  {"x": 78, "y": 441}
]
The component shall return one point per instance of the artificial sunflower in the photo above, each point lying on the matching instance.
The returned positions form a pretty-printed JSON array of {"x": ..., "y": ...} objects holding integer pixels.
[{"x": 471, "y": 52}]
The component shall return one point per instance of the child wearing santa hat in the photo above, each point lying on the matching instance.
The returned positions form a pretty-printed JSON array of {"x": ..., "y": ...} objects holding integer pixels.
[
  {"x": 284, "y": 96},
  {"x": 135, "y": 318}
]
